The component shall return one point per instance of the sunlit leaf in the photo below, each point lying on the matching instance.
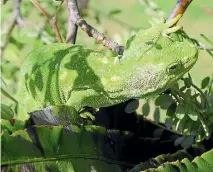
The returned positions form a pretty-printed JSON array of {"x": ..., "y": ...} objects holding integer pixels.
[
  {"x": 114, "y": 12},
  {"x": 6, "y": 112},
  {"x": 205, "y": 82}
]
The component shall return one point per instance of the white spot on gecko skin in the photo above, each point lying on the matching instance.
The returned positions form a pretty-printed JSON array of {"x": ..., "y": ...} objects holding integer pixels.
[
  {"x": 104, "y": 60},
  {"x": 115, "y": 78}
]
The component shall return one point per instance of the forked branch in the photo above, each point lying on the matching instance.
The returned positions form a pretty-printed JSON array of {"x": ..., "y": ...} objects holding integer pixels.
[
  {"x": 76, "y": 18},
  {"x": 179, "y": 8},
  {"x": 52, "y": 20},
  {"x": 15, "y": 21}
]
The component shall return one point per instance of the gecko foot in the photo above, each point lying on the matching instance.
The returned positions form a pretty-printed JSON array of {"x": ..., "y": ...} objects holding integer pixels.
[
  {"x": 169, "y": 26},
  {"x": 173, "y": 21}
]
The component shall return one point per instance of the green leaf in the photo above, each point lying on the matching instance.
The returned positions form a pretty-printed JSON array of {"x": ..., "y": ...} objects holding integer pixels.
[
  {"x": 6, "y": 94},
  {"x": 180, "y": 161},
  {"x": 183, "y": 88},
  {"x": 187, "y": 82},
  {"x": 5, "y": 1},
  {"x": 114, "y": 12},
  {"x": 205, "y": 82},
  {"x": 164, "y": 101},
  {"x": 207, "y": 39},
  {"x": 180, "y": 111},
  {"x": 157, "y": 114},
  {"x": 193, "y": 115},
  {"x": 12, "y": 125},
  {"x": 171, "y": 110},
  {"x": 131, "y": 106},
  {"x": 188, "y": 93},
  {"x": 161, "y": 159},
  {"x": 6, "y": 112},
  {"x": 185, "y": 141},
  {"x": 190, "y": 111},
  {"x": 146, "y": 109},
  {"x": 84, "y": 149}
]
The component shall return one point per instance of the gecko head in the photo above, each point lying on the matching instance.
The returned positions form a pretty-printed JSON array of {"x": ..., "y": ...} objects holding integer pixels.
[
  {"x": 179, "y": 57},
  {"x": 163, "y": 64}
]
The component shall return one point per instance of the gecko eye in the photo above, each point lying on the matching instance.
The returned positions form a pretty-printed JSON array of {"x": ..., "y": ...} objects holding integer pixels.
[{"x": 173, "y": 68}]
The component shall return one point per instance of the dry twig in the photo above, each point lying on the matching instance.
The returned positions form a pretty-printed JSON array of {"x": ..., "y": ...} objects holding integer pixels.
[
  {"x": 16, "y": 21},
  {"x": 179, "y": 8},
  {"x": 52, "y": 20},
  {"x": 72, "y": 28},
  {"x": 91, "y": 31}
]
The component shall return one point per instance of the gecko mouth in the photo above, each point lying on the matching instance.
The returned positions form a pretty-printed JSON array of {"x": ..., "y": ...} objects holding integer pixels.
[{"x": 192, "y": 61}]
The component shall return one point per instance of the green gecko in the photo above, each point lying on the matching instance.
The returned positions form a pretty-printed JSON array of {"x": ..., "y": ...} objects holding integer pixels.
[{"x": 76, "y": 77}]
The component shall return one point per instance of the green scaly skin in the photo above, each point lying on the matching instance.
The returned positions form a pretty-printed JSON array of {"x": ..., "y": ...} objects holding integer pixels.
[{"x": 71, "y": 75}]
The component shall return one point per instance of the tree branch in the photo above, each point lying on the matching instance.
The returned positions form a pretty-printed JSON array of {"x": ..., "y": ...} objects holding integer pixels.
[
  {"x": 52, "y": 20},
  {"x": 16, "y": 21},
  {"x": 72, "y": 28},
  {"x": 100, "y": 37},
  {"x": 179, "y": 8},
  {"x": 91, "y": 31}
]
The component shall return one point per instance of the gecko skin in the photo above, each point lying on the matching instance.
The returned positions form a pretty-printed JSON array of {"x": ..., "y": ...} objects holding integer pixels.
[{"x": 71, "y": 75}]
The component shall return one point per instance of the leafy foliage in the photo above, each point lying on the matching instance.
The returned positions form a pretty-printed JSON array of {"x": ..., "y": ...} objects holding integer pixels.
[
  {"x": 172, "y": 163},
  {"x": 189, "y": 106},
  {"x": 50, "y": 147},
  {"x": 85, "y": 148}
]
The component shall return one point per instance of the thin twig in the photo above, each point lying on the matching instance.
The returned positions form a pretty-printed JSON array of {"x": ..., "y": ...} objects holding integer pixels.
[
  {"x": 72, "y": 28},
  {"x": 179, "y": 8},
  {"x": 16, "y": 21},
  {"x": 52, "y": 20},
  {"x": 100, "y": 37},
  {"x": 17, "y": 12},
  {"x": 91, "y": 31},
  {"x": 203, "y": 47},
  {"x": 8, "y": 35}
]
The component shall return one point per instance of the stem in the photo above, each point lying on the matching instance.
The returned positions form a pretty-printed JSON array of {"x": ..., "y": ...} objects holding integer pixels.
[
  {"x": 100, "y": 37},
  {"x": 16, "y": 21},
  {"x": 174, "y": 94},
  {"x": 179, "y": 8},
  {"x": 72, "y": 28},
  {"x": 199, "y": 113},
  {"x": 211, "y": 84},
  {"x": 91, "y": 31},
  {"x": 200, "y": 91},
  {"x": 203, "y": 47},
  {"x": 52, "y": 20}
]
